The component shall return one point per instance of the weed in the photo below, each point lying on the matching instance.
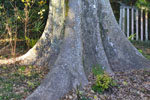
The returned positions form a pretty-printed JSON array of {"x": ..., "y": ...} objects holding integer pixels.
[
  {"x": 131, "y": 36},
  {"x": 103, "y": 80}
]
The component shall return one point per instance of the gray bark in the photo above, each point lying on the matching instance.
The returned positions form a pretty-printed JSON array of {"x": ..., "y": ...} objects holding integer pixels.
[
  {"x": 78, "y": 35},
  {"x": 120, "y": 52},
  {"x": 68, "y": 71}
]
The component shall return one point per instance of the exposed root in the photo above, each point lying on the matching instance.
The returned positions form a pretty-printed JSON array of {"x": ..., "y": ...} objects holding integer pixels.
[{"x": 22, "y": 60}]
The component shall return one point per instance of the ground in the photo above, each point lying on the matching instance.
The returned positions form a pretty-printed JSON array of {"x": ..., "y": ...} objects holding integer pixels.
[
  {"x": 17, "y": 82},
  {"x": 133, "y": 85}
]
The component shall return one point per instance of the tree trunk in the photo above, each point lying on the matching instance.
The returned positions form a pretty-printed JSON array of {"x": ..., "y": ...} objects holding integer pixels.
[{"x": 78, "y": 35}]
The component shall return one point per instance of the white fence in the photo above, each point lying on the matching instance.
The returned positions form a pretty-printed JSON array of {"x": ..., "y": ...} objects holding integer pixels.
[{"x": 134, "y": 23}]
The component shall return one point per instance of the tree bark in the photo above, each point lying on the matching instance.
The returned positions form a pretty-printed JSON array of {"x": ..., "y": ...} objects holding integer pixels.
[
  {"x": 78, "y": 35},
  {"x": 122, "y": 55}
]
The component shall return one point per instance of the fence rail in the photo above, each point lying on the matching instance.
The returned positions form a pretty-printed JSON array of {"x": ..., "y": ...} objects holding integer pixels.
[{"x": 134, "y": 22}]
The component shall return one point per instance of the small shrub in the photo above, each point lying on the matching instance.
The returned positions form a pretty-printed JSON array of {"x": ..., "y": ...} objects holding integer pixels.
[
  {"x": 103, "y": 80},
  {"x": 140, "y": 51}
]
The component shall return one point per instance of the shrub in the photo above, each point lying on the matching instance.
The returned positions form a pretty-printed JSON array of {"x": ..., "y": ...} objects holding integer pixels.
[{"x": 103, "y": 80}]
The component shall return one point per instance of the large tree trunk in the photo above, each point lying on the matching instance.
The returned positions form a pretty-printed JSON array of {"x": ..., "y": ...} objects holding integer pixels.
[
  {"x": 78, "y": 35},
  {"x": 120, "y": 52}
]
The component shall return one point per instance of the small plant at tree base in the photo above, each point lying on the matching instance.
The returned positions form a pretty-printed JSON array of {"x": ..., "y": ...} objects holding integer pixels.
[
  {"x": 103, "y": 80},
  {"x": 140, "y": 51},
  {"x": 131, "y": 36}
]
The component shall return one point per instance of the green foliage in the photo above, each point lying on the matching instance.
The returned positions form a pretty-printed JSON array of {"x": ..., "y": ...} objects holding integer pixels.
[
  {"x": 31, "y": 84},
  {"x": 144, "y": 54},
  {"x": 143, "y": 47},
  {"x": 143, "y": 3},
  {"x": 31, "y": 42},
  {"x": 18, "y": 81},
  {"x": 37, "y": 26},
  {"x": 140, "y": 51},
  {"x": 103, "y": 80},
  {"x": 97, "y": 69},
  {"x": 137, "y": 3},
  {"x": 26, "y": 18},
  {"x": 22, "y": 68},
  {"x": 131, "y": 36}
]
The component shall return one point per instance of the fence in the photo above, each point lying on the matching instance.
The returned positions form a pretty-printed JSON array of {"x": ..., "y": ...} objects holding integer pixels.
[{"x": 134, "y": 22}]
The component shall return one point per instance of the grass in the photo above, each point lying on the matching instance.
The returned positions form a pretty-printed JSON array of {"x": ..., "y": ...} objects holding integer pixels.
[
  {"x": 143, "y": 47},
  {"x": 17, "y": 82}
]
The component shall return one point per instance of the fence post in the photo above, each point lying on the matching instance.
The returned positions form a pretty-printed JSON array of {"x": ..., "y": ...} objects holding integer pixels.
[
  {"x": 128, "y": 22},
  {"x": 123, "y": 20},
  {"x": 120, "y": 20},
  {"x": 141, "y": 24},
  {"x": 132, "y": 31},
  {"x": 137, "y": 24},
  {"x": 146, "y": 25}
]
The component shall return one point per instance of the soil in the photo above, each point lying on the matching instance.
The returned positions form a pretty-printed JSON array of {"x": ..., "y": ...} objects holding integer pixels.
[{"x": 131, "y": 85}]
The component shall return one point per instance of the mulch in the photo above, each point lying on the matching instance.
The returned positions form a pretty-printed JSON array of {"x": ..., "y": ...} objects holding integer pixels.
[{"x": 131, "y": 85}]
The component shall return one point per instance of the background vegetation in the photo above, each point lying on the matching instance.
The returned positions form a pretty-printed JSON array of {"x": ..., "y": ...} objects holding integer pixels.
[{"x": 22, "y": 22}]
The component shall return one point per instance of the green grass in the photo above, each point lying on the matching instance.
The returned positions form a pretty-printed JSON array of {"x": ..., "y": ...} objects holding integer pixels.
[
  {"x": 143, "y": 47},
  {"x": 17, "y": 82}
]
